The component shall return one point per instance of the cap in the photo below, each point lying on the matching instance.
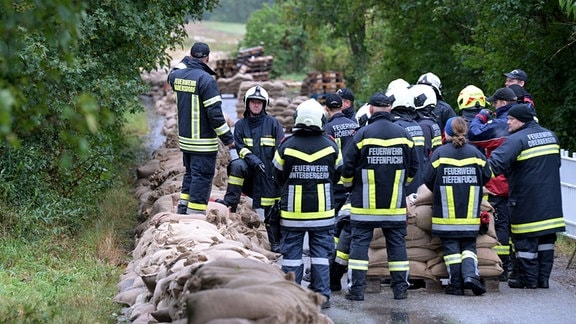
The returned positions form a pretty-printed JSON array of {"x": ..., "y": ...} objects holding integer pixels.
[
  {"x": 517, "y": 74},
  {"x": 345, "y": 93},
  {"x": 522, "y": 112},
  {"x": 333, "y": 101},
  {"x": 380, "y": 100},
  {"x": 503, "y": 94},
  {"x": 200, "y": 50},
  {"x": 519, "y": 91}
]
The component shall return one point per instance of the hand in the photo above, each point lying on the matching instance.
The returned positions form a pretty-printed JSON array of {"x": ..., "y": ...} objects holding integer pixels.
[{"x": 484, "y": 115}]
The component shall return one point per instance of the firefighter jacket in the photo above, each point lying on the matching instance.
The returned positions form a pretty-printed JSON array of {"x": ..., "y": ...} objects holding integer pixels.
[
  {"x": 488, "y": 137},
  {"x": 431, "y": 132},
  {"x": 256, "y": 139},
  {"x": 341, "y": 129},
  {"x": 377, "y": 165},
  {"x": 200, "y": 118},
  {"x": 530, "y": 160},
  {"x": 406, "y": 119},
  {"x": 306, "y": 165},
  {"x": 456, "y": 177}
]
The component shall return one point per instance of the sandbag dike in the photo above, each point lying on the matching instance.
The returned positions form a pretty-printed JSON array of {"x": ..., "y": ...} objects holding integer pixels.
[{"x": 213, "y": 268}]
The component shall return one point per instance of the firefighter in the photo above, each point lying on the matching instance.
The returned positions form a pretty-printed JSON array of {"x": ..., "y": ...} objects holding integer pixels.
[
  {"x": 443, "y": 111},
  {"x": 404, "y": 114},
  {"x": 488, "y": 131},
  {"x": 377, "y": 165},
  {"x": 341, "y": 129},
  {"x": 424, "y": 103},
  {"x": 530, "y": 160},
  {"x": 456, "y": 174},
  {"x": 256, "y": 138},
  {"x": 471, "y": 100},
  {"x": 306, "y": 165},
  {"x": 200, "y": 124}
]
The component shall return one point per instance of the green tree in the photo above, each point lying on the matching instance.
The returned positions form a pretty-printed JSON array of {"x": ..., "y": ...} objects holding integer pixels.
[{"x": 69, "y": 72}]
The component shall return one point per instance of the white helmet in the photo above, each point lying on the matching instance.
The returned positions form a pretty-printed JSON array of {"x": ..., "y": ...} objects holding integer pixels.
[
  {"x": 424, "y": 96},
  {"x": 256, "y": 92},
  {"x": 401, "y": 97},
  {"x": 432, "y": 80},
  {"x": 362, "y": 115},
  {"x": 398, "y": 83},
  {"x": 309, "y": 113}
]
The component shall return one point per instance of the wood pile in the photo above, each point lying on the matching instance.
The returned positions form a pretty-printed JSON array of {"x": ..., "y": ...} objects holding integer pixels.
[{"x": 317, "y": 84}]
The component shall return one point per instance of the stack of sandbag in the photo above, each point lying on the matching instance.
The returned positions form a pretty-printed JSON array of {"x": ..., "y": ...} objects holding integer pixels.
[
  {"x": 425, "y": 251},
  {"x": 245, "y": 291},
  {"x": 232, "y": 85}
]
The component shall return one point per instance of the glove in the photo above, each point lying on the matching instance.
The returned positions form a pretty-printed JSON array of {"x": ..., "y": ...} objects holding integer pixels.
[
  {"x": 261, "y": 168},
  {"x": 252, "y": 160},
  {"x": 484, "y": 115}
]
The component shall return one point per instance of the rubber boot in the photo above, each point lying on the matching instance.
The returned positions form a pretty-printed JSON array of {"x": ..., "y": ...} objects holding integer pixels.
[
  {"x": 399, "y": 284},
  {"x": 181, "y": 209},
  {"x": 456, "y": 286},
  {"x": 336, "y": 272},
  {"x": 358, "y": 287}
]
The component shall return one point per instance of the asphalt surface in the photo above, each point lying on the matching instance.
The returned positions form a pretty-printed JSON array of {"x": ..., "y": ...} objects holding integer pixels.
[{"x": 556, "y": 305}]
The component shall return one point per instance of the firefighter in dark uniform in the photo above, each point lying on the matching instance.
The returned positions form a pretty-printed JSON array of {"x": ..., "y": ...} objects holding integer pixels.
[
  {"x": 404, "y": 113},
  {"x": 471, "y": 101},
  {"x": 200, "y": 124},
  {"x": 341, "y": 129},
  {"x": 530, "y": 159},
  {"x": 256, "y": 137},
  {"x": 487, "y": 131},
  {"x": 424, "y": 103},
  {"x": 306, "y": 165},
  {"x": 443, "y": 111},
  {"x": 377, "y": 165},
  {"x": 456, "y": 173}
]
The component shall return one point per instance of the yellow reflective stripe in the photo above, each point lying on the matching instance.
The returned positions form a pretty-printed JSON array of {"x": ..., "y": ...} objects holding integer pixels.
[
  {"x": 450, "y": 202},
  {"x": 357, "y": 264},
  {"x": 502, "y": 249},
  {"x": 222, "y": 129},
  {"x": 418, "y": 140},
  {"x": 196, "y": 206},
  {"x": 436, "y": 141},
  {"x": 371, "y": 190},
  {"x": 342, "y": 255},
  {"x": 538, "y": 226},
  {"x": 385, "y": 142},
  {"x": 347, "y": 180},
  {"x": 307, "y": 215},
  {"x": 278, "y": 161},
  {"x": 321, "y": 196},
  {"x": 472, "y": 202},
  {"x": 298, "y": 198},
  {"x": 398, "y": 266},
  {"x": 452, "y": 259},
  {"x": 396, "y": 189},
  {"x": 309, "y": 157},
  {"x": 268, "y": 201},
  {"x": 456, "y": 162},
  {"x": 198, "y": 144},
  {"x": 378, "y": 211},
  {"x": 243, "y": 152},
  {"x": 237, "y": 181},
  {"x": 198, "y": 141},
  {"x": 268, "y": 141},
  {"x": 248, "y": 141},
  {"x": 211, "y": 101},
  {"x": 184, "y": 196},
  {"x": 538, "y": 151}
]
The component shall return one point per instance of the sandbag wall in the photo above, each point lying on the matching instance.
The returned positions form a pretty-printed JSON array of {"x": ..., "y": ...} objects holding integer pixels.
[
  {"x": 425, "y": 251},
  {"x": 201, "y": 268}
]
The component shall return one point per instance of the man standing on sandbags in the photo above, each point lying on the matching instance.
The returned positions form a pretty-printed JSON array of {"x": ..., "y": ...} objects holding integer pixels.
[
  {"x": 256, "y": 138},
  {"x": 307, "y": 164},
  {"x": 530, "y": 160},
  {"x": 378, "y": 164},
  {"x": 200, "y": 124}
]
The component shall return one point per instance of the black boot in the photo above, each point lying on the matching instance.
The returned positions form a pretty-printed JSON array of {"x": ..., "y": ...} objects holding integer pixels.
[
  {"x": 181, "y": 209},
  {"x": 358, "y": 285},
  {"x": 475, "y": 284}
]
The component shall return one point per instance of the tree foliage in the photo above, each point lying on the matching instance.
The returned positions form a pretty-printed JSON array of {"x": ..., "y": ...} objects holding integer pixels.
[{"x": 69, "y": 72}]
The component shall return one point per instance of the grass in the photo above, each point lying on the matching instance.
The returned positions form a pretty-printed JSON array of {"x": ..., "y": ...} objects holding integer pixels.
[{"x": 232, "y": 28}]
